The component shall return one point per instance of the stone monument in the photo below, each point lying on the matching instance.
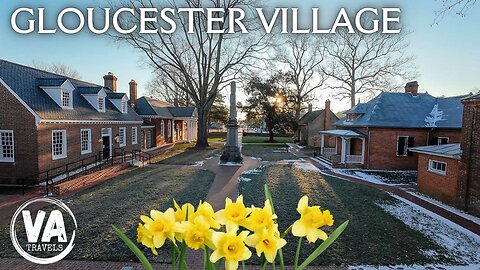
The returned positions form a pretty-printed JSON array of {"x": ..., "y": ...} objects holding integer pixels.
[{"x": 231, "y": 152}]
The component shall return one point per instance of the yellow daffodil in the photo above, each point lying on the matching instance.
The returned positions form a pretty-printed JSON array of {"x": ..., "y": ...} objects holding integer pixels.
[
  {"x": 230, "y": 246},
  {"x": 260, "y": 218},
  {"x": 234, "y": 213},
  {"x": 205, "y": 210},
  {"x": 266, "y": 241},
  {"x": 145, "y": 237},
  {"x": 197, "y": 233},
  {"x": 311, "y": 219},
  {"x": 183, "y": 213},
  {"x": 161, "y": 225}
]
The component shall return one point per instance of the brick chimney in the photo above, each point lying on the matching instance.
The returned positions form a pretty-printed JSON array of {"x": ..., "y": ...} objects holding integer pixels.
[
  {"x": 328, "y": 115},
  {"x": 110, "y": 81},
  {"x": 133, "y": 92},
  {"x": 412, "y": 87},
  {"x": 310, "y": 107}
]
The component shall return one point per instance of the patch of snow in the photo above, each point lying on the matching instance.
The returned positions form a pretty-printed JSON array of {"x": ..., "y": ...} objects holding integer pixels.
[
  {"x": 72, "y": 173},
  {"x": 446, "y": 207},
  {"x": 208, "y": 158},
  {"x": 462, "y": 244},
  {"x": 244, "y": 179},
  {"x": 363, "y": 176},
  {"x": 434, "y": 116},
  {"x": 256, "y": 158},
  {"x": 198, "y": 164},
  {"x": 255, "y": 171},
  {"x": 306, "y": 166},
  {"x": 232, "y": 164},
  {"x": 299, "y": 146}
]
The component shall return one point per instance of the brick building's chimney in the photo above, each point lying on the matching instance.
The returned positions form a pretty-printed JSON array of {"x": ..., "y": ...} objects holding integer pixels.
[
  {"x": 310, "y": 107},
  {"x": 133, "y": 92},
  {"x": 328, "y": 114},
  {"x": 110, "y": 81},
  {"x": 412, "y": 87}
]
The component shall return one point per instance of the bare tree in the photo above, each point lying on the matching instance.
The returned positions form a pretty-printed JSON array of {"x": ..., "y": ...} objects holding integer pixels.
[
  {"x": 459, "y": 7},
  {"x": 58, "y": 68},
  {"x": 199, "y": 63},
  {"x": 367, "y": 63},
  {"x": 302, "y": 57},
  {"x": 166, "y": 90}
]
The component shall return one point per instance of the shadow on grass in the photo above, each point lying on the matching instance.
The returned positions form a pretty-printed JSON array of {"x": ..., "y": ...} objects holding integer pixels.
[
  {"x": 373, "y": 236},
  {"x": 121, "y": 201}
]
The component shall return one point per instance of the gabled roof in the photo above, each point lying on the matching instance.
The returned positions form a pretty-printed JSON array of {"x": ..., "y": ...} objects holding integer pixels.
[
  {"x": 309, "y": 117},
  {"x": 475, "y": 97},
  {"x": 26, "y": 81},
  {"x": 445, "y": 150},
  {"x": 404, "y": 110},
  {"x": 148, "y": 106}
]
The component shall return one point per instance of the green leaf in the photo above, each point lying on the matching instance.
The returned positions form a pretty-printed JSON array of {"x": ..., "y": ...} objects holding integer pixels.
[
  {"x": 268, "y": 196},
  {"x": 320, "y": 249},
  {"x": 133, "y": 248}
]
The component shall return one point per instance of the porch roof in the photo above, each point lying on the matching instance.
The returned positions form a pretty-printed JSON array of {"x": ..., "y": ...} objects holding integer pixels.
[
  {"x": 445, "y": 150},
  {"x": 343, "y": 133}
]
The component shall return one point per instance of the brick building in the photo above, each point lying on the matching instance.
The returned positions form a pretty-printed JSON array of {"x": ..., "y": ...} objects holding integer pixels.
[
  {"x": 310, "y": 125},
  {"x": 469, "y": 175},
  {"x": 438, "y": 171},
  {"x": 48, "y": 121},
  {"x": 165, "y": 123},
  {"x": 378, "y": 134}
]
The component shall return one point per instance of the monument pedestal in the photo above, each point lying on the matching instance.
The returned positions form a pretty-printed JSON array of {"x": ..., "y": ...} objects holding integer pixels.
[{"x": 231, "y": 152}]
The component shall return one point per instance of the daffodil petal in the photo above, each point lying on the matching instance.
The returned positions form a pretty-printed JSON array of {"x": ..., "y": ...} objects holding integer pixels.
[
  {"x": 155, "y": 214},
  {"x": 215, "y": 256},
  {"x": 270, "y": 256},
  {"x": 159, "y": 240},
  {"x": 302, "y": 204},
  {"x": 298, "y": 229},
  {"x": 231, "y": 265}
]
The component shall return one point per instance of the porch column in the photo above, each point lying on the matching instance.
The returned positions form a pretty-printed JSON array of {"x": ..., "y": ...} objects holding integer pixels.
[
  {"x": 322, "y": 144},
  {"x": 344, "y": 152},
  {"x": 363, "y": 150}
]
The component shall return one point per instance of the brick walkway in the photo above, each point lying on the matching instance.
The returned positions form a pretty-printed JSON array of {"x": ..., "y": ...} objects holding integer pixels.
[{"x": 465, "y": 223}]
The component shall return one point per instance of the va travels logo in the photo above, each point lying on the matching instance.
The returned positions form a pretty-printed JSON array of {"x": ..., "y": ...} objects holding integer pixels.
[{"x": 39, "y": 243}]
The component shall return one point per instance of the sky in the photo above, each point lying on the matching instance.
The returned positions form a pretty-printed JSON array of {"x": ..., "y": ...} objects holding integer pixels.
[{"x": 447, "y": 55}]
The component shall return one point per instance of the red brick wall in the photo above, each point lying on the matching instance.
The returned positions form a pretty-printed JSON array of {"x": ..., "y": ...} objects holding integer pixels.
[
  {"x": 161, "y": 139},
  {"x": 44, "y": 139},
  {"x": 382, "y": 152},
  {"x": 469, "y": 180},
  {"x": 454, "y": 135},
  {"x": 441, "y": 187},
  {"x": 14, "y": 116}
]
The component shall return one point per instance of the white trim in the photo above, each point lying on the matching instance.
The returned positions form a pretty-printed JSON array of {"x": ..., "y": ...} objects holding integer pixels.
[
  {"x": 435, "y": 154},
  {"x": 90, "y": 122},
  {"x": 136, "y": 135},
  {"x": 2, "y": 158},
  {"x": 433, "y": 170},
  {"x": 405, "y": 149},
  {"x": 37, "y": 118},
  {"x": 64, "y": 145},
  {"x": 439, "y": 138},
  {"x": 155, "y": 116},
  {"x": 124, "y": 143},
  {"x": 89, "y": 138}
]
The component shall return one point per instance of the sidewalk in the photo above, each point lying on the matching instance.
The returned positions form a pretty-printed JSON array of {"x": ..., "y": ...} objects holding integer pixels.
[{"x": 465, "y": 223}]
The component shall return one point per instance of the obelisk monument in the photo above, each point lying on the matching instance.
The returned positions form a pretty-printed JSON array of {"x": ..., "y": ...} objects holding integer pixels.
[{"x": 231, "y": 152}]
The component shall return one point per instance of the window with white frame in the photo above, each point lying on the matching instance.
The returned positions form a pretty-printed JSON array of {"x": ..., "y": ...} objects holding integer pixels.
[
  {"x": 86, "y": 141},
  {"x": 437, "y": 167},
  {"x": 169, "y": 129},
  {"x": 134, "y": 135},
  {"x": 162, "y": 128},
  {"x": 59, "y": 144},
  {"x": 7, "y": 151},
  {"x": 124, "y": 106},
  {"x": 443, "y": 140},
  {"x": 66, "y": 99},
  {"x": 101, "y": 104},
  {"x": 121, "y": 137}
]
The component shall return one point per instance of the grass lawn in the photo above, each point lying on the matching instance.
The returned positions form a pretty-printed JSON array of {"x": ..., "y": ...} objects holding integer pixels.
[
  {"x": 267, "y": 151},
  {"x": 373, "y": 237},
  {"x": 186, "y": 154},
  {"x": 121, "y": 201},
  {"x": 260, "y": 139}
]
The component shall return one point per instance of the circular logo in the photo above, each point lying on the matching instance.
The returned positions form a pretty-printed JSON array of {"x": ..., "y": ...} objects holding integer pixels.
[{"x": 43, "y": 239}]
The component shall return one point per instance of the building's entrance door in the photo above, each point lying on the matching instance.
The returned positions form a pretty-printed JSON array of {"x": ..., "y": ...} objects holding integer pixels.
[{"x": 106, "y": 143}]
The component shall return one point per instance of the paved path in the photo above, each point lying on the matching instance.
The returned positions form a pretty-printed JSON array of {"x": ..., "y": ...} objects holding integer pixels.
[{"x": 466, "y": 223}]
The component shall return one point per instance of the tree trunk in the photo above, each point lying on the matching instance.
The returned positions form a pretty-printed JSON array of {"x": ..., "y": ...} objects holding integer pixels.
[
  {"x": 271, "y": 135},
  {"x": 352, "y": 96},
  {"x": 202, "y": 128}
]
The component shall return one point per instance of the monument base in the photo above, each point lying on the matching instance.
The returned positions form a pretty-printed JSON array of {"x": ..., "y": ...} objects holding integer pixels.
[{"x": 231, "y": 154}]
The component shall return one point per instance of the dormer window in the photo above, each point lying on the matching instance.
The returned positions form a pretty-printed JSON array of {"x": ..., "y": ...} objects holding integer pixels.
[
  {"x": 124, "y": 106},
  {"x": 67, "y": 100},
  {"x": 101, "y": 104},
  {"x": 352, "y": 117}
]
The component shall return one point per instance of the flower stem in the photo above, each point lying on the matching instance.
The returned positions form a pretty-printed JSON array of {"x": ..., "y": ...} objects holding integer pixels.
[
  {"x": 243, "y": 265},
  {"x": 173, "y": 257},
  {"x": 286, "y": 231},
  {"x": 280, "y": 258},
  {"x": 297, "y": 254}
]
